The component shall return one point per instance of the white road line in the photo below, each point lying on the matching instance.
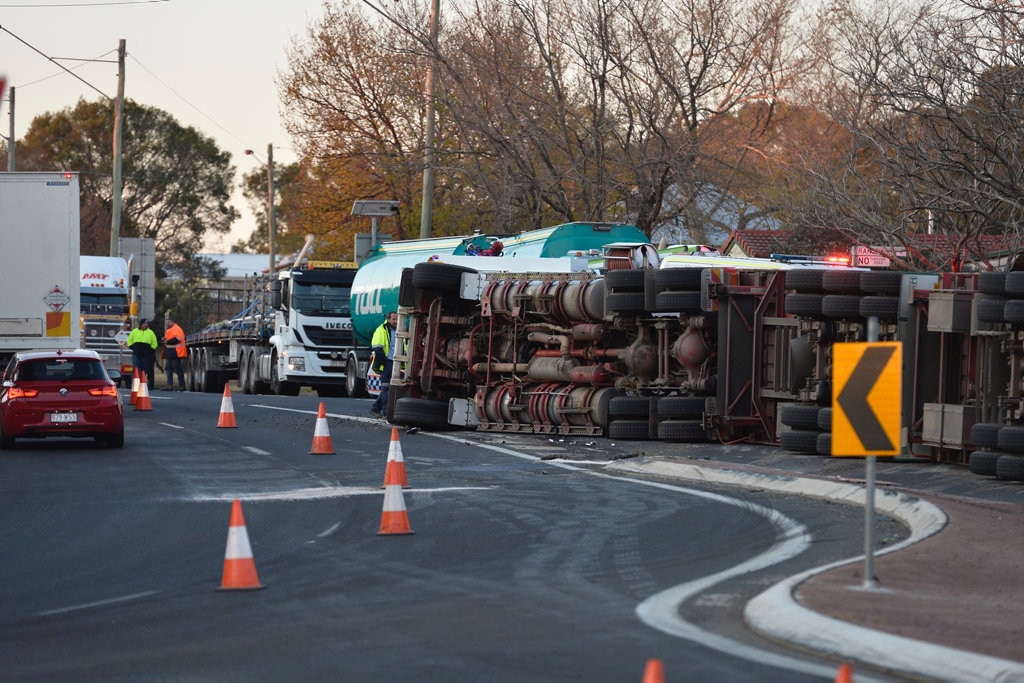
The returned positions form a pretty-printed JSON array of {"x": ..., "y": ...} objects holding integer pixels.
[
  {"x": 253, "y": 449},
  {"x": 661, "y": 611},
  {"x": 99, "y": 603},
  {"x": 172, "y": 426}
]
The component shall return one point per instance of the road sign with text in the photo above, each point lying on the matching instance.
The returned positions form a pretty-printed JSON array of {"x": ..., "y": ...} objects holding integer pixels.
[{"x": 866, "y": 398}]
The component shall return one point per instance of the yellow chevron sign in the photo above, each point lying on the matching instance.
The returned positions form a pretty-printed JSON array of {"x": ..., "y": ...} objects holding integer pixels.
[{"x": 866, "y": 398}]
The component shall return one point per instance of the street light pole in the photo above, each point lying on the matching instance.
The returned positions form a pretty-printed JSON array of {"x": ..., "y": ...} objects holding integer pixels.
[
  {"x": 271, "y": 211},
  {"x": 429, "y": 157}
]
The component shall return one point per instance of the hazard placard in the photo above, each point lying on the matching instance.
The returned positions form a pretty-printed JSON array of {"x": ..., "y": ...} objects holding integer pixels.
[{"x": 866, "y": 398}]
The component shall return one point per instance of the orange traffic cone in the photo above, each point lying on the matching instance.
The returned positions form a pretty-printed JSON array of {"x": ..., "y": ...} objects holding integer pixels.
[
  {"x": 321, "y": 435},
  {"x": 395, "y": 462},
  {"x": 142, "y": 401},
  {"x": 393, "y": 519},
  {"x": 654, "y": 672},
  {"x": 135, "y": 386},
  {"x": 239, "y": 567},
  {"x": 845, "y": 673},
  {"x": 227, "y": 410}
]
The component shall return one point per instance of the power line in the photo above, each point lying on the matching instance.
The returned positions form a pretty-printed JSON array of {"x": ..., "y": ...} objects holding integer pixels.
[
  {"x": 186, "y": 100},
  {"x": 51, "y": 59},
  {"x": 80, "y": 4}
]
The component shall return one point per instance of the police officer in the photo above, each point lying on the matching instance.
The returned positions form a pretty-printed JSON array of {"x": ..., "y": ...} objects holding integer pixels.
[{"x": 383, "y": 344}]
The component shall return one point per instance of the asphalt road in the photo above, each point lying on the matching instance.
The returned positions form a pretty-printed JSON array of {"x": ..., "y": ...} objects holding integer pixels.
[{"x": 519, "y": 568}]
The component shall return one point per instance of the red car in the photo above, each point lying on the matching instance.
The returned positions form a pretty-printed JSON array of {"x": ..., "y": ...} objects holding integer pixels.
[{"x": 59, "y": 393}]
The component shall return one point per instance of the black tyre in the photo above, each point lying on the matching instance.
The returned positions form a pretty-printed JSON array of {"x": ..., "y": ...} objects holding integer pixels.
[
  {"x": 421, "y": 412},
  {"x": 805, "y": 280},
  {"x": 992, "y": 283},
  {"x": 1011, "y": 439},
  {"x": 883, "y": 307},
  {"x": 245, "y": 381},
  {"x": 439, "y": 277},
  {"x": 688, "y": 431},
  {"x": 1014, "y": 283},
  {"x": 825, "y": 419},
  {"x": 823, "y": 444},
  {"x": 678, "y": 278},
  {"x": 6, "y": 442},
  {"x": 840, "y": 306},
  {"x": 841, "y": 281},
  {"x": 804, "y": 305},
  {"x": 631, "y": 407},
  {"x": 685, "y": 407},
  {"x": 884, "y": 282},
  {"x": 800, "y": 441},
  {"x": 354, "y": 385},
  {"x": 990, "y": 310},
  {"x": 1010, "y": 467},
  {"x": 625, "y": 302},
  {"x": 984, "y": 463},
  {"x": 985, "y": 434},
  {"x": 800, "y": 415},
  {"x": 1013, "y": 312},
  {"x": 625, "y": 280},
  {"x": 688, "y": 302},
  {"x": 629, "y": 430}
]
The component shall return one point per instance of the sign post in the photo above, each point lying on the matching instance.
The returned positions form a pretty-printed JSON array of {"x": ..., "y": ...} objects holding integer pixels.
[{"x": 866, "y": 408}]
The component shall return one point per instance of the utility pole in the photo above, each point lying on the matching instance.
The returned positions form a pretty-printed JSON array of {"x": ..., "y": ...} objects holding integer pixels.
[
  {"x": 271, "y": 213},
  {"x": 115, "y": 218},
  {"x": 429, "y": 157},
  {"x": 10, "y": 140}
]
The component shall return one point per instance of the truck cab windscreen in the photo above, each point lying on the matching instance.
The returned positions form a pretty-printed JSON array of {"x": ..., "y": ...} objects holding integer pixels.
[{"x": 321, "y": 299}]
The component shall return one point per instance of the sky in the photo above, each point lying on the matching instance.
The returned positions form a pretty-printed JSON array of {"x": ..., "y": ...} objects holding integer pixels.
[{"x": 212, "y": 64}]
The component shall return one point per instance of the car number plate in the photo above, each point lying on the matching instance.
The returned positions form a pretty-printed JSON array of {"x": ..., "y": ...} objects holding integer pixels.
[{"x": 63, "y": 417}]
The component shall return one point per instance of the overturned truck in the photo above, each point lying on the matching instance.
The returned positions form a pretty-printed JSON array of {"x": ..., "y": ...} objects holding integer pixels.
[{"x": 689, "y": 345}]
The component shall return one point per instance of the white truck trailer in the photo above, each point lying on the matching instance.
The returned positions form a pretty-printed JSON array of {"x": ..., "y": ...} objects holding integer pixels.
[{"x": 39, "y": 304}]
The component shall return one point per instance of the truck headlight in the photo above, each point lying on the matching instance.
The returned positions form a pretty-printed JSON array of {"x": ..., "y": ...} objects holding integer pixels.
[{"x": 297, "y": 363}]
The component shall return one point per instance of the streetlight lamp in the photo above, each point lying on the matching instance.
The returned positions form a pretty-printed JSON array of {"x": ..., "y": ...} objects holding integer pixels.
[{"x": 271, "y": 213}]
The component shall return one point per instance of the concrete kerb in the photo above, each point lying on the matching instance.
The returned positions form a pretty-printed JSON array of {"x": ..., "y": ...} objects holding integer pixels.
[{"x": 776, "y": 614}]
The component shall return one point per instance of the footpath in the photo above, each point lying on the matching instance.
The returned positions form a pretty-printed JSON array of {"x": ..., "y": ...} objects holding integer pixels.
[{"x": 947, "y": 603}]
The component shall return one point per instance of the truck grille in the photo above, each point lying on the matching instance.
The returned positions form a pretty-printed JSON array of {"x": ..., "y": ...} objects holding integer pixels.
[
  {"x": 99, "y": 336},
  {"x": 317, "y": 336}
]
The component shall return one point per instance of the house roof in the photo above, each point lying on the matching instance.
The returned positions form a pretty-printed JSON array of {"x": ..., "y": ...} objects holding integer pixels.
[{"x": 754, "y": 243}]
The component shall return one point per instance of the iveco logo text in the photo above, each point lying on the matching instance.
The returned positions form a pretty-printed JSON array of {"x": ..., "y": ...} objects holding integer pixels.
[{"x": 338, "y": 326}]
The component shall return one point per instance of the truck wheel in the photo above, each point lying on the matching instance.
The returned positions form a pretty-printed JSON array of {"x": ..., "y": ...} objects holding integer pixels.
[
  {"x": 678, "y": 278},
  {"x": 990, "y": 310},
  {"x": 629, "y": 430},
  {"x": 625, "y": 302},
  {"x": 841, "y": 281},
  {"x": 685, "y": 407},
  {"x": 631, "y": 406},
  {"x": 983, "y": 463},
  {"x": 258, "y": 386},
  {"x": 800, "y": 415},
  {"x": 355, "y": 385},
  {"x": 804, "y": 280},
  {"x": 884, "y": 307},
  {"x": 985, "y": 434},
  {"x": 625, "y": 280},
  {"x": 1011, "y": 439},
  {"x": 823, "y": 444},
  {"x": 992, "y": 283},
  {"x": 687, "y": 302},
  {"x": 690, "y": 431},
  {"x": 800, "y": 441},
  {"x": 244, "y": 381},
  {"x": 1010, "y": 468},
  {"x": 840, "y": 306},
  {"x": 804, "y": 305},
  {"x": 881, "y": 282},
  {"x": 421, "y": 412},
  {"x": 440, "y": 277}
]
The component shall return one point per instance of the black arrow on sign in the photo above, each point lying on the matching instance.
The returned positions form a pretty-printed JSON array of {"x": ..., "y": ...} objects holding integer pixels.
[{"x": 853, "y": 399}]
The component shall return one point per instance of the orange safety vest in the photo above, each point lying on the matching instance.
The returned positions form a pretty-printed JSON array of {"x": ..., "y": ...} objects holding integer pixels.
[{"x": 175, "y": 331}]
